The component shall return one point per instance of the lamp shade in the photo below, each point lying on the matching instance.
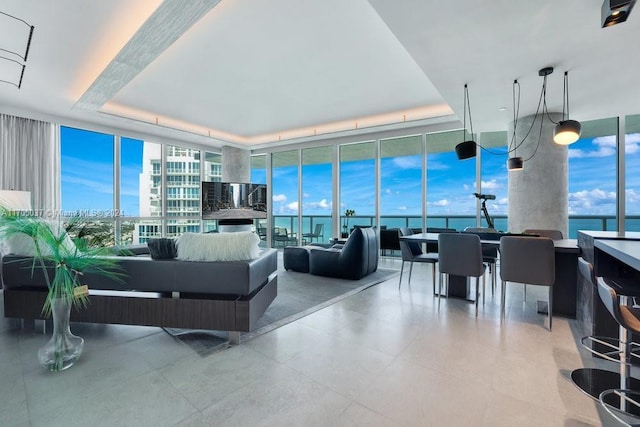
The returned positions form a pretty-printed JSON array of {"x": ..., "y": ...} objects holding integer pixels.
[
  {"x": 515, "y": 163},
  {"x": 466, "y": 150},
  {"x": 567, "y": 132}
]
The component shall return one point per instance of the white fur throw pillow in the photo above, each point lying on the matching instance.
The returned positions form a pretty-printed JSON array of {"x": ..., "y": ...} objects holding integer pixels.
[
  {"x": 218, "y": 246},
  {"x": 23, "y": 245}
]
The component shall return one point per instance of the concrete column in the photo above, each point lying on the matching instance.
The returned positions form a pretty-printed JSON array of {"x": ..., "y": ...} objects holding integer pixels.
[
  {"x": 236, "y": 164},
  {"x": 236, "y": 167},
  {"x": 539, "y": 194}
]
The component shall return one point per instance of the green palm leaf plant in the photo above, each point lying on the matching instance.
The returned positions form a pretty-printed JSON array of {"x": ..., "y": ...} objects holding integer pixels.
[
  {"x": 63, "y": 266},
  {"x": 55, "y": 251}
]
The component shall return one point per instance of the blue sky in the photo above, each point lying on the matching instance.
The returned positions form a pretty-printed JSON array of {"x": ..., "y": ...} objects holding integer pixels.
[{"x": 87, "y": 180}]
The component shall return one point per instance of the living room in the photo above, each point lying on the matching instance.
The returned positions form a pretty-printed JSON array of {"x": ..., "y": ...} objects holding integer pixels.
[{"x": 351, "y": 116}]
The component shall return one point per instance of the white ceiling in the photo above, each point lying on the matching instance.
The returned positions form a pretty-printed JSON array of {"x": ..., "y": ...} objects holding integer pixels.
[{"x": 251, "y": 72}]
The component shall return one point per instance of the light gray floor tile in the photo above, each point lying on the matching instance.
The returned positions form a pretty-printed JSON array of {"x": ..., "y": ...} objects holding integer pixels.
[
  {"x": 204, "y": 381},
  {"x": 382, "y": 357},
  {"x": 147, "y": 400},
  {"x": 281, "y": 397}
]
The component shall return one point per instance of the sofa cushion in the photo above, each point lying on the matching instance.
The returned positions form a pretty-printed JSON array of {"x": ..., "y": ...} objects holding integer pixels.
[
  {"x": 237, "y": 246},
  {"x": 24, "y": 245},
  {"x": 162, "y": 248}
]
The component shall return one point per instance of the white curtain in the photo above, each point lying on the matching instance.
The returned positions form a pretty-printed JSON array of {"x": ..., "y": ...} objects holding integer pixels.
[{"x": 30, "y": 160}]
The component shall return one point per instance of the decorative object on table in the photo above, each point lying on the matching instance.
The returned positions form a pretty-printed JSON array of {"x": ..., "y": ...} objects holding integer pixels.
[
  {"x": 62, "y": 265},
  {"x": 345, "y": 227}
]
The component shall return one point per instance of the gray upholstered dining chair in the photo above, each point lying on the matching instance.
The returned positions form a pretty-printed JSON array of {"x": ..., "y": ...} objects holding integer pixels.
[
  {"x": 412, "y": 252},
  {"x": 489, "y": 254},
  {"x": 529, "y": 260},
  {"x": 551, "y": 234},
  {"x": 542, "y": 232},
  {"x": 460, "y": 255}
]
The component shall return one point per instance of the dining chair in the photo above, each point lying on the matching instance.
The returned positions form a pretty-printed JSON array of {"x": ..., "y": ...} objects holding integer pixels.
[
  {"x": 460, "y": 254},
  {"x": 412, "y": 252},
  {"x": 529, "y": 260},
  {"x": 489, "y": 255},
  {"x": 542, "y": 232}
]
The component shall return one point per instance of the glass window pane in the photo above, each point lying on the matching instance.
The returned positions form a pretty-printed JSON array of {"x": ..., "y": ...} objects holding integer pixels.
[
  {"x": 450, "y": 184},
  {"x": 494, "y": 178},
  {"x": 87, "y": 172},
  {"x": 212, "y": 167},
  {"x": 632, "y": 173},
  {"x": 357, "y": 185},
  {"x": 401, "y": 182},
  {"x": 182, "y": 190},
  {"x": 317, "y": 194},
  {"x": 592, "y": 196},
  {"x": 285, "y": 198}
]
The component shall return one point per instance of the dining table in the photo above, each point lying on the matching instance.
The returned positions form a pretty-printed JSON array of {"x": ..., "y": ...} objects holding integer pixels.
[{"x": 566, "y": 272}]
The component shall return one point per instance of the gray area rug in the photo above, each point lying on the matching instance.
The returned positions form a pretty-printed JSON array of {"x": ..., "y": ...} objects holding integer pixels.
[{"x": 299, "y": 294}]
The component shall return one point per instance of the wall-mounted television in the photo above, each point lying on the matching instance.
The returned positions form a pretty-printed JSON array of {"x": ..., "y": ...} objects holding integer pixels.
[{"x": 233, "y": 200}]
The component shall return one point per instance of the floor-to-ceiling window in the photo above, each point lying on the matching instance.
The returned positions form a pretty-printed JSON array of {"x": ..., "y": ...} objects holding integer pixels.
[
  {"x": 140, "y": 190},
  {"x": 401, "y": 182},
  {"x": 87, "y": 189},
  {"x": 182, "y": 190},
  {"x": 450, "y": 183},
  {"x": 316, "y": 194},
  {"x": 494, "y": 178},
  {"x": 357, "y": 185},
  {"x": 592, "y": 177},
  {"x": 632, "y": 173},
  {"x": 259, "y": 176},
  {"x": 285, "y": 204},
  {"x": 212, "y": 172}
]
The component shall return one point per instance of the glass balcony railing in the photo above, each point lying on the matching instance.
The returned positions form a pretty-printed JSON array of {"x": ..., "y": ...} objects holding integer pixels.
[{"x": 458, "y": 222}]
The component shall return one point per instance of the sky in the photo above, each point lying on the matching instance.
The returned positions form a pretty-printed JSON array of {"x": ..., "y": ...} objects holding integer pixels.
[{"x": 87, "y": 180}]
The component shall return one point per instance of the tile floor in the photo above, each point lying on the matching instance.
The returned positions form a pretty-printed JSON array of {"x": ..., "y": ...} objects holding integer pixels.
[{"x": 380, "y": 358}]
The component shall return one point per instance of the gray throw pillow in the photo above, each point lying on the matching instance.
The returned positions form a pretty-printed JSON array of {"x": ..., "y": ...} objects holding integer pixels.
[{"x": 162, "y": 248}]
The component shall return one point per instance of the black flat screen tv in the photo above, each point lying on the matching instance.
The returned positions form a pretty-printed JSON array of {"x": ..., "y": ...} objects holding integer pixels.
[{"x": 233, "y": 200}]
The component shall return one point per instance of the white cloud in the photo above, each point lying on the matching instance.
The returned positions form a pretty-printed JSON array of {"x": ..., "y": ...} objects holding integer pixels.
[
  {"x": 443, "y": 202},
  {"x": 293, "y": 206},
  {"x": 490, "y": 185},
  {"x": 305, "y": 195},
  {"x": 279, "y": 198},
  {"x": 322, "y": 204},
  {"x": 606, "y": 146},
  {"x": 590, "y": 199},
  {"x": 404, "y": 162},
  {"x": 402, "y": 208}
]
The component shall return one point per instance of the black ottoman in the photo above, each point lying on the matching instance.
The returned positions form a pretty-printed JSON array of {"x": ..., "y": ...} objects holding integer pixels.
[{"x": 296, "y": 258}]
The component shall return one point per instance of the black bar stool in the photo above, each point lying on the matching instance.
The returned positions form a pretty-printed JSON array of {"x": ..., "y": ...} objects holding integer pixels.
[{"x": 614, "y": 390}]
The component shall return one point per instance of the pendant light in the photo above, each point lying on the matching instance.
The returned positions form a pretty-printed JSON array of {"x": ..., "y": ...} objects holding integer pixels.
[
  {"x": 515, "y": 163},
  {"x": 467, "y": 148},
  {"x": 567, "y": 131}
]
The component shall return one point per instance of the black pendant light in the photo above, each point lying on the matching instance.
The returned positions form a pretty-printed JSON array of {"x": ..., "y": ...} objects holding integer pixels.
[
  {"x": 515, "y": 163},
  {"x": 467, "y": 148},
  {"x": 567, "y": 131}
]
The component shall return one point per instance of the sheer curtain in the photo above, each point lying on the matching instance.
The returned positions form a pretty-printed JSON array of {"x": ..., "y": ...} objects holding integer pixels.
[{"x": 30, "y": 160}]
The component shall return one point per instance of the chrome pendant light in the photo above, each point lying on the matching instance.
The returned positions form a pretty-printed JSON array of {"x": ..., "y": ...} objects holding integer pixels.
[
  {"x": 567, "y": 131},
  {"x": 467, "y": 148}
]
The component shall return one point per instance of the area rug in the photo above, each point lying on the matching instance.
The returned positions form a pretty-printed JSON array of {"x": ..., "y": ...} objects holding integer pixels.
[{"x": 299, "y": 294}]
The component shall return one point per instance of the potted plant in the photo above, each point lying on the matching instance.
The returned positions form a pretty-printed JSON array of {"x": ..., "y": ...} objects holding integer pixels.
[
  {"x": 62, "y": 266},
  {"x": 345, "y": 227}
]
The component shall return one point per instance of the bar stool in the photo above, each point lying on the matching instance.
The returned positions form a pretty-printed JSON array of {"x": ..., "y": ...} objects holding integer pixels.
[{"x": 614, "y": 390}]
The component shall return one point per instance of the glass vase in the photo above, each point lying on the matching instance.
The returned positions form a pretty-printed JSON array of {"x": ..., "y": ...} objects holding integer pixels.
[{"x": 64, "y": 348}]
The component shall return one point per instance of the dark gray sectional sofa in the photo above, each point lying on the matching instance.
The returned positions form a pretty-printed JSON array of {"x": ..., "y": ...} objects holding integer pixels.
[{"x": 222, "y": 295}]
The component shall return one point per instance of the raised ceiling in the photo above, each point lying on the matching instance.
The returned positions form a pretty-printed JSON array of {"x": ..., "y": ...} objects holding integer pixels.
[{"x": 253, "y": 72}]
